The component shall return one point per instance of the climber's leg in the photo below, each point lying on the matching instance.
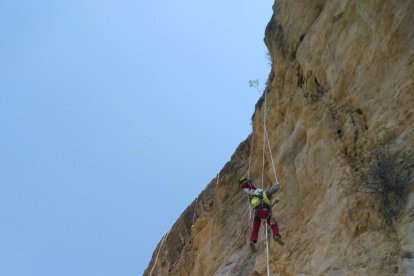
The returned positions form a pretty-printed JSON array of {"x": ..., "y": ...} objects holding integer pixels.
[
  {"x": 273, "y": 224},
  {"x": 255, "y": 230},
  {"x": 275, "y": 230},
  {"x": 256, "y": 227}
]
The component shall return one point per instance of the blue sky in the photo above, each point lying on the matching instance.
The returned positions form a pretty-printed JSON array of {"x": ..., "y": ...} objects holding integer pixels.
[{"x": 115, "y": 115}]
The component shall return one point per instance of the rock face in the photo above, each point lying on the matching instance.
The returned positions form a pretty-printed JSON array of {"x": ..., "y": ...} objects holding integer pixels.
[{"x": 342, "y": 78}]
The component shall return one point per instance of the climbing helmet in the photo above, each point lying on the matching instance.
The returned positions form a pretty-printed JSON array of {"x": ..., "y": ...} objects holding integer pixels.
[{"x": 242, "y": 179}]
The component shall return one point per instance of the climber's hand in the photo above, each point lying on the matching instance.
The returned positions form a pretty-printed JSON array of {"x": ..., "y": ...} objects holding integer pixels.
[{"x": 275, "y": 202}]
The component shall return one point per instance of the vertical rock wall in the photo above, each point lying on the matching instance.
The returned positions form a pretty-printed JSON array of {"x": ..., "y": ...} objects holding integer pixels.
[{"x": 342, "y": 72}]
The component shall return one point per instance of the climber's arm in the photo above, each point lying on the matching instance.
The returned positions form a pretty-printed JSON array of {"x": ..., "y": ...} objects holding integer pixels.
[
  {"x": 274, "y": 189},
  {"x": 247, "y": 187}
]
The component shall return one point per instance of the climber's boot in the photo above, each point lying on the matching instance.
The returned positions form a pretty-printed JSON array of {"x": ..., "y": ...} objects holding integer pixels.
[
  {"x": 278, "y": 239},
  {"x": 253, "y": 247}
]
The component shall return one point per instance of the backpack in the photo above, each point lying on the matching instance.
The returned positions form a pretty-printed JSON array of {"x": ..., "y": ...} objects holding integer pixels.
[{"x": 259, "y": 197}]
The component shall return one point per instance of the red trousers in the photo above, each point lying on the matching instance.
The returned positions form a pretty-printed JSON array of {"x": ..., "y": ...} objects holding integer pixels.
[{"x": 259, "y": 214}]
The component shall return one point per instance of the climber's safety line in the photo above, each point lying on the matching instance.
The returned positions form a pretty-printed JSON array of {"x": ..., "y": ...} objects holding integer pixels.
[
  {"x": 263, "y": 165},
  {"x": 250, "y": 155},
  {"x": 159, "y": 249},
  {"x": 271, "y": 157},
  {"x": 248, "y": 176},
  {"x": 265, "y": 140}
]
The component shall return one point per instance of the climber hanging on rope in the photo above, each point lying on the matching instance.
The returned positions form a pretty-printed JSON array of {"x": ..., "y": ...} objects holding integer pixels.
[{"x": 260, "y": 201}]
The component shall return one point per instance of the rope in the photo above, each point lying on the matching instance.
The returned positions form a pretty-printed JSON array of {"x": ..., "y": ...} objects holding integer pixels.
[
  {"x": 248, "y": 176},
  {"x": 159, "y": 249},
  {"x": 271, "y": 156},
  {"x": 263, "y": 165},
  {"x": 264, "y": 142},
  {"x": 250, "y": 155},
  {"x": 265, "y": 139},
  {"x": 268, "y": 145}
]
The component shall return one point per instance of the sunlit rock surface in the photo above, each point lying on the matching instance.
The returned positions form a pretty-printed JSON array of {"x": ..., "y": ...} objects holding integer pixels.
[{"x": 342, "y": 72}]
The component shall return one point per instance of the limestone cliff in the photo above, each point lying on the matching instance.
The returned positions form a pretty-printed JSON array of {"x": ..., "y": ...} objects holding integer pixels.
[{"x": 342, "y": 71}]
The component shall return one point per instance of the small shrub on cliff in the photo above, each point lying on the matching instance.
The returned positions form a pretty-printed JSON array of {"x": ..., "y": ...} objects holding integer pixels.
[
  {"x": 315, "y": 96},
  {"x": 388, "y": 175},
  {"x": 254, "y": 83}
]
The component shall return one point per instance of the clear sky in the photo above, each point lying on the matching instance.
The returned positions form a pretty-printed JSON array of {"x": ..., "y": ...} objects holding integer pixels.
[{"x": 114, "y": 116}]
